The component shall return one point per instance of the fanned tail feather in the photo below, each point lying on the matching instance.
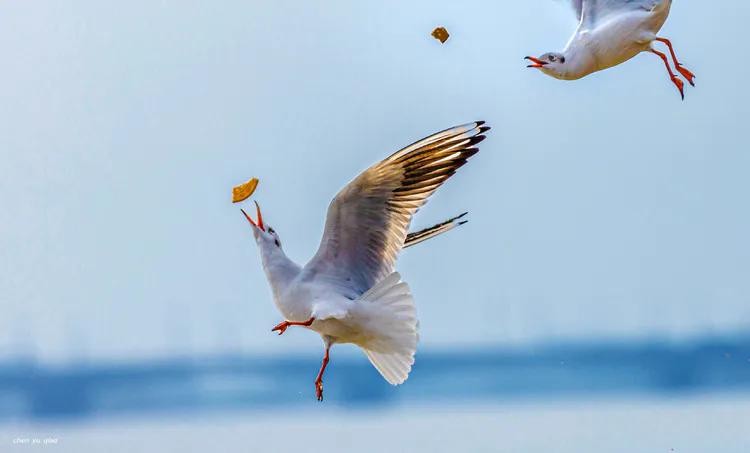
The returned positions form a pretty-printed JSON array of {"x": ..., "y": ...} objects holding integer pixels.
[{"x": 392, "y": 349}]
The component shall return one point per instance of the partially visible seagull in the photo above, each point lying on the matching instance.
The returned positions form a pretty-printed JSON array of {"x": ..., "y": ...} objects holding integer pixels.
[
  {"x": 611, "y": 32},
  {"x": 350, "y": 292}
]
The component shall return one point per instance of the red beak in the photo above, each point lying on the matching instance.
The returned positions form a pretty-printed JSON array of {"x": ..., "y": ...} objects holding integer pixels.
[
  {"x": 260, "y": 218},
  {"x": 537, "y": 62}
]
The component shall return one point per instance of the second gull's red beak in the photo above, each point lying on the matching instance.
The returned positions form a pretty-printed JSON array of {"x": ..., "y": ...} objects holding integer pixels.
[{"x": 537, "y": 62}]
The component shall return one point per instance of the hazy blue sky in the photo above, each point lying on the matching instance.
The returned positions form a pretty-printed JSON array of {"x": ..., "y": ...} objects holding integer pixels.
[{"x": 599, "y": 208}]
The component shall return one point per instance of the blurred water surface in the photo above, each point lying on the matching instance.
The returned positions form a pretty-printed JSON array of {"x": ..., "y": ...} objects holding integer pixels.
[{"x": 697, "y": 424}]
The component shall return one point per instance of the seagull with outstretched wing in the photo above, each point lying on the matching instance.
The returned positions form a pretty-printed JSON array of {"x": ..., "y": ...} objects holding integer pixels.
[
  {"x": 350, "y": 291},
  {"x": 611, "y": 32}
]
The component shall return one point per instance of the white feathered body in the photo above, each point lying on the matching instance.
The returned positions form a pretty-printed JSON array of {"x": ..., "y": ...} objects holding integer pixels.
[
  {"x": 614, "y": 40},
  {"x": 341, "y": 319},
  {"x": 383, "y": 321},
  {"x": 299, "y": 298}
]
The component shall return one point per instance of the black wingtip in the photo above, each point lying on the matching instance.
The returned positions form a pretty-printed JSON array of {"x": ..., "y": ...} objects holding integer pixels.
[
  {"x": 482, "y": 127},
  {"x": 467, "y": 153},
  {"x": 476, "y": 140},
  {"x": 462, "y": 222},
  {"x": 458, "y": 217}
]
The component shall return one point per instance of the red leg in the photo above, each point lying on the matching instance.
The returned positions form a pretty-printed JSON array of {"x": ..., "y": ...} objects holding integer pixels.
[
  {"x": 319, "y": 379},
  {"x": 282, "y": 326},
  {"x": 684, "y": 71},
  {"x": 675, "y": 80}
]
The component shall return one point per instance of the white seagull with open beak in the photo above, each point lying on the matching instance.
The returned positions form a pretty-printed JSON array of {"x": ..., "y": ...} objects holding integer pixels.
[
  {"x": 609, "y": 33},
  {"x": 350, "y": 292}
]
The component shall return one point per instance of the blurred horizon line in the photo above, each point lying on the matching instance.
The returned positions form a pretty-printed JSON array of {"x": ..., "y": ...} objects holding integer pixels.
[{"x": 251, "y": 382}]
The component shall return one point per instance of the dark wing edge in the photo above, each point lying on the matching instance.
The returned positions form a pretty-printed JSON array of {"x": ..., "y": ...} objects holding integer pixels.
[{"x": 420, "y": 236}]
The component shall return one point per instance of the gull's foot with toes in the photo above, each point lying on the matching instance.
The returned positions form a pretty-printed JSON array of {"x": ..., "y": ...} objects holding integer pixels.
[
  {"x": 281, "y": 327},
  {"x": 680, "y": 86},
  {"x": 689, "y": 76}
]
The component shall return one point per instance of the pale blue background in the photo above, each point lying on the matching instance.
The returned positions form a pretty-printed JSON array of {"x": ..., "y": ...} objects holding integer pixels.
[
  {"x": 604, "y": 211},
  {"x": 603, "y": 208}
]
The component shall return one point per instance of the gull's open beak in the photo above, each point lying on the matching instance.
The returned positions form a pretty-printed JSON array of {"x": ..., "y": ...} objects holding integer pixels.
[
  {"x": 537, "y": 62},
  {"x": 260, "y": 218}
]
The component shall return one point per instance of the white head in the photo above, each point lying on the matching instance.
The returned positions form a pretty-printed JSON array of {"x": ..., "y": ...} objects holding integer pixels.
[
  {"x": 280, "y": 270},
  {"x": 553, "y": 64},
  {"x": 267, "y": 239}
]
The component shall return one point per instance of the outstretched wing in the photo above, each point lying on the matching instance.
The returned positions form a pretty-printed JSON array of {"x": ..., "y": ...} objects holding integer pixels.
[
  {"x": 592, "y": 12},
  {"x": 368, "y": 220}
]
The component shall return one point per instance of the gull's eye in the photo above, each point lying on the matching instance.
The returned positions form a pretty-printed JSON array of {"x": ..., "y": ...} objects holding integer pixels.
[
  {"x": 271, "y": 230},
  {"x": 552, "y": 58}
]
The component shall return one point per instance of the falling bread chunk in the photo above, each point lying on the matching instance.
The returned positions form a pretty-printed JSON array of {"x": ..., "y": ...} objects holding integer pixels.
[
  {"x": 441, "y": 34},
  {"x": 243, "y": 191}
]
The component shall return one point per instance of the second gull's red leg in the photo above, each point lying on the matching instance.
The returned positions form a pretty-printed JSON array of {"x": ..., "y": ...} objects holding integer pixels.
[
  {"x": 684, "y": 71},
  {"x": 675, "y": 79}
]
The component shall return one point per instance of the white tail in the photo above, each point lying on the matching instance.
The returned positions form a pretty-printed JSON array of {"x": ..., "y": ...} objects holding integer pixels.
[{"x": 394, "y": 324}]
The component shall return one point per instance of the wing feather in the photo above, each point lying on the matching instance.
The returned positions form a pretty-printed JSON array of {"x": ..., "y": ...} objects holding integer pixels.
[
  {"x": 592, "y": 12},
  {"x": 368, "y": 220}
]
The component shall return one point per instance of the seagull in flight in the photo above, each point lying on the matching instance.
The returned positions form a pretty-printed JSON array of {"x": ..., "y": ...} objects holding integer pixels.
[
  {"x": 350, "y": 292},
  {"x": 609, "y": 33}
]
